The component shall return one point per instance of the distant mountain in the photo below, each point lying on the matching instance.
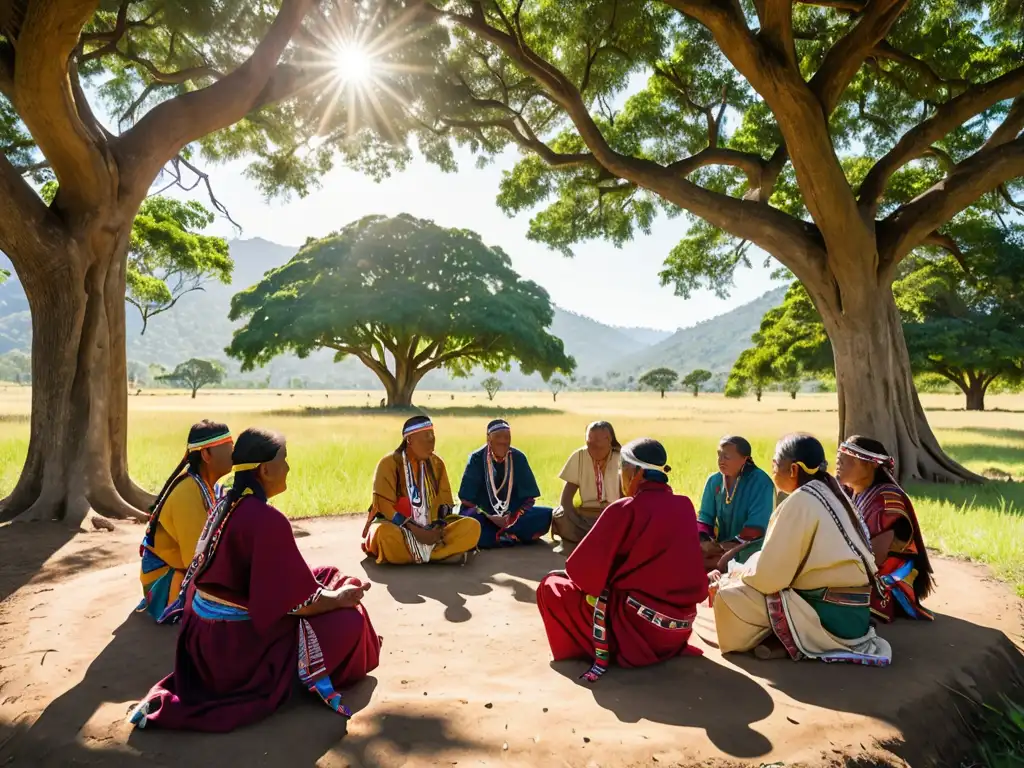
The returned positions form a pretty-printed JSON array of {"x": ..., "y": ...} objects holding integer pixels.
[
  {"x": 198, "y": 326},
  {"x": 713, "y": 344}
]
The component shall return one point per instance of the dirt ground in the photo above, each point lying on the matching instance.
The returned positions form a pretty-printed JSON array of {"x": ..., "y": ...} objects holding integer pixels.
[{"x": 465, "y": 677}]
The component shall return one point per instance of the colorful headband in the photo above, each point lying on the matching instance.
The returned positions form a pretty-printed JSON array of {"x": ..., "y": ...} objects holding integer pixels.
[
  {"x": 498, "y": 426},
  {"x": 865, "y": 455},
  {"x": 245, "y": 467},
  {"x": 209, "y": 442},
  {"x": 421, "y": 426},
  {"x": 631, "y": 458}
]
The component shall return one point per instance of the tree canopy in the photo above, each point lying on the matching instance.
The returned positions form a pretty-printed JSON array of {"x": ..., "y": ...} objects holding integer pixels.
[
  {"x": 404, "y": 296},
  {"x": 492, "y": 385},
  {"x": 695, "y": 380},
  {"x": 196, "y": 374},
  {"x": 659, "y": 379}
]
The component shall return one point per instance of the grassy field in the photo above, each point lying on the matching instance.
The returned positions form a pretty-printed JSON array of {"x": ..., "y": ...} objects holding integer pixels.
[{"x": 335, "y": 442}]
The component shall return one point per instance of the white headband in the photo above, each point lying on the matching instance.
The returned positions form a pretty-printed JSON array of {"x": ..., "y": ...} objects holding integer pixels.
[{"x": 631, "y": 458}]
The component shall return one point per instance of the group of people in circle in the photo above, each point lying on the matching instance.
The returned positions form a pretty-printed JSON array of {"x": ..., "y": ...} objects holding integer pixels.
[{"x": 805, "y": 578}]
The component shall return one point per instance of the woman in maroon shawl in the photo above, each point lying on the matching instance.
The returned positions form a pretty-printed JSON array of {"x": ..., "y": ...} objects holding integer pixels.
[
  {"x": 255, "y": 615},
  {"x": 630, "y": 590}
]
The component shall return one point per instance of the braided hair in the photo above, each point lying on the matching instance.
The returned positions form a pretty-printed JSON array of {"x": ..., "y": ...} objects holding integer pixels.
[{"x": 193, "y": 459}]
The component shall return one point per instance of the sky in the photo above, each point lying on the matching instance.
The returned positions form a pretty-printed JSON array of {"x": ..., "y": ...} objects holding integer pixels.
[{"x": 615, "y": 286}]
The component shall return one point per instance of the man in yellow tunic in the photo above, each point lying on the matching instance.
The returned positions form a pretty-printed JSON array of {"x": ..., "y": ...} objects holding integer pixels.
[
  {"x": 180, "y": 512},
  {"x": 807, "y": 593},
  {"x": 411, "y": 520}
]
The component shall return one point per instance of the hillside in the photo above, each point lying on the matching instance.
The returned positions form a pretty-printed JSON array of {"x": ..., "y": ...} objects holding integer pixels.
[
  {"x": 714, "y": 344},
  {"x": 198, "y": 326}
]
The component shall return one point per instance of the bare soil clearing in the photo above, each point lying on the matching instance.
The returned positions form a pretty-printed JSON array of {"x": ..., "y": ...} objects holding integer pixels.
[{"x": 465, "y": 676}]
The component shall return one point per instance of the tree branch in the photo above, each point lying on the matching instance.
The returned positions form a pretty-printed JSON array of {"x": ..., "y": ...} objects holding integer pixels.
[
  {"x": 777, "y": 30},
  {"x": 1012, "y": 124},
  {"x": 28, "y": 229},
  {"x": 983, "y": 172},
  {"x": 42, "y": 91},
  {"x": 885, "y": 50},
  {"x": 948, "y": 244},
  {"x": 169, "y": 126},
  {"x": 7, "y": 70},
  {"x": 947, "y": 118},
  {"x": 847, "y": 55}
]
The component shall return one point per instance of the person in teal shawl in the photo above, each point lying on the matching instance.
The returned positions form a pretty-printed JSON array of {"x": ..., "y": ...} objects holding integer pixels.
[
  {"x": 738, "y": 500},
  {"x": 499, "y": 490}
]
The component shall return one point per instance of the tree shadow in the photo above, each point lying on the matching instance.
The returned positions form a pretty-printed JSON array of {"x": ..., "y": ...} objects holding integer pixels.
[
  {"x": 139, "y": 655},
  {"x": 516, "y": 568},
  {"x": 26, "y": 547},
  {"x": 689, "y": 692},
  {"x": 994, "y": 497},
  {"x": 492, "y": 411},
  {"x": 935, "y": 664}
]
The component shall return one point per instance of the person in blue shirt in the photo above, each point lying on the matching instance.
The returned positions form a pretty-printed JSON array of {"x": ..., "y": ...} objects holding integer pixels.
[
  {"x": 738, "y": 500},
  {"x": 499, "y": 490}
]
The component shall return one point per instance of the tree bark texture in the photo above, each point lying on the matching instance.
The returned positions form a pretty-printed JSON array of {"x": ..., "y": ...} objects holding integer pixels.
[
  {"x": 77, "y": 455},
  {"x": 875, "y": 385}
]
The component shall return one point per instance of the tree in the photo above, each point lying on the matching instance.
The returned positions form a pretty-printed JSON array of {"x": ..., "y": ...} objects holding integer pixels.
[
  {"x": 863, "y": 129},
  {"x": 659, "y": 379},
  {"x": 167, "y": 259},
  {"x": 184, "y": 83},
  {"x": 557, "y": 385},
  {"x": 405, "y": 297},
  {"x": 752, "y": 371},
  {"x": 696, "y": 379},
  {"x": 196, "y": 374},
  {"x": 491, "y": 385}
]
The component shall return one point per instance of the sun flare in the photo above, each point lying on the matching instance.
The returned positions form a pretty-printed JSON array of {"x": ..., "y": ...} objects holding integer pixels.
[{"x": 353, "y": 63}]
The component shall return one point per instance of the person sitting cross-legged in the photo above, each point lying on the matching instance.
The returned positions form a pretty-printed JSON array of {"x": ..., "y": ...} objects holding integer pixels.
[
  {"x": 498, "y": 490},
  {"x": 410, "y": 520}
]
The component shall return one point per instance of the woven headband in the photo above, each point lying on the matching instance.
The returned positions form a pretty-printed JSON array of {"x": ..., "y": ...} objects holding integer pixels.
[
  {"x": 865, "y": 455},
  {"x": 422, "y": 426},
  {"x": 210, "y": 442},
  {"x": 499, "y": 426},
  {"x": 631, "y": 458}
]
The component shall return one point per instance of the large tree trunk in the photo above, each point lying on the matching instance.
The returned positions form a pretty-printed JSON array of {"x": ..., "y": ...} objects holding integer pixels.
[
  {"x": 975, "y": 392},
  {"x": 875, "y": 385},
  {"x": 77, "y": 459}
]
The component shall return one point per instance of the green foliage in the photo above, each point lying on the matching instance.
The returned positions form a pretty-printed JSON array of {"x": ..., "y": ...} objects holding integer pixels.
[
  {"x": 404, "y": 296},
  {"x": 1000, "y": 742},
  {"x": 752, "y": 372},
  {"x": 659, "y": 379},
  {"x": 16, "y": 366},
  {"x": 196, "y": 374},
  {"x": 695, "y": 380},
  {"x": 168, "y": 258},
  {"x": 491, "y": 385},
  {"x": 557, "y": 385}
]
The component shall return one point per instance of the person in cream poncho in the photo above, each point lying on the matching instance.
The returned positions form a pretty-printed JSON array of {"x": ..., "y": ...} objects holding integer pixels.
[{"x": 807, "y": 593}]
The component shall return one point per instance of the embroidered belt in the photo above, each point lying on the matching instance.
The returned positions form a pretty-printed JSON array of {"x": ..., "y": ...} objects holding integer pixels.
[
  {"x": 658, "y": 619},
  {"x": 849, "y": 596}
]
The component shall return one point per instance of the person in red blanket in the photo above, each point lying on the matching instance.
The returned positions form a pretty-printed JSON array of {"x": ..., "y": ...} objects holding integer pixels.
[{"x": 630, "y": 590}]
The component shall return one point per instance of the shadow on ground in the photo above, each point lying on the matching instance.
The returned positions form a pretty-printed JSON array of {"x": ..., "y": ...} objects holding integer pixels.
[
  {"x": 995, "y": 497},
  {"x": 27, "y": 546},
  {"x": 451, "y": 584},
  {"x": 692, "y": 692},
  {"x": 298, "y": 734}
]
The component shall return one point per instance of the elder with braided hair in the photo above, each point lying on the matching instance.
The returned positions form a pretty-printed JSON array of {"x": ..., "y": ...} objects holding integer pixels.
[{"x": 807, "y": 593}]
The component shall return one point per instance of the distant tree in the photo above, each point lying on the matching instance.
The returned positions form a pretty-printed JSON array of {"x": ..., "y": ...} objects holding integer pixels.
[
  {"x": 491, "y": 385},
  {"x": 405, "y": 297},
  {"x": 557, "y": 386},
  {"x": 16, "y": 366},
  {"x": 659, "y": 379},
  {"x": 752, "y": 372},
  {"x": 196, "y": 374},
  {"x": 167, "y": 255},
  {"x": 138, "y": 374},
  {"x": 696, "y": 379}
]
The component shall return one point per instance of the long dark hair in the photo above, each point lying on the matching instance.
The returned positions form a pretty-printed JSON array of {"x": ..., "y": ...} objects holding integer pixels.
[
  {"x": 884, "y": 475},
  {"x": 650, "y": 451},
  {"x": 253, "y": 446},
  {"x": 415, "y": 421},
  {"x": 607, "y": 425},
  {"x": 203, "y": 430},
  {"x": 742, "y": 446},
  {"x": 805, "y": 450}
]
